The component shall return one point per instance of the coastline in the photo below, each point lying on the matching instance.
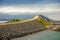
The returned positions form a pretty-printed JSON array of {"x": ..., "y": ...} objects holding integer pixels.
[
  {"x": 43, "y": 35},
  {"x": 20, "y": 29},
  {"x": 26, "y": 34}
]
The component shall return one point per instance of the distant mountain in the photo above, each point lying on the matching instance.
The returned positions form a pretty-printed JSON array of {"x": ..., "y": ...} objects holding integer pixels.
[
  {"x": 5, "y": 17},
  {"x": 44, "y": 18}
]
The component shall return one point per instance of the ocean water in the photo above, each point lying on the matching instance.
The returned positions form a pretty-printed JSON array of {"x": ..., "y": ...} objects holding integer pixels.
[
  {"x": 44, "y": 35},
  {"x": 3, "y": 21}
]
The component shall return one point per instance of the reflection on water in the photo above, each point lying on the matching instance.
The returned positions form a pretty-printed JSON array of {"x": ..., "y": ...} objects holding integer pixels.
[{"x": 44, "y": 35}]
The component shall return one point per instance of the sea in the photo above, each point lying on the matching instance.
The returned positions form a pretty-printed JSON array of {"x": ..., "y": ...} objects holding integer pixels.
[
  {"x": 43, "y": 35},
  {"x": 2, "y": 22}
]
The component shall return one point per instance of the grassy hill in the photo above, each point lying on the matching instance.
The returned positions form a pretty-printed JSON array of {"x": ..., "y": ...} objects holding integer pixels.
[{"x": 18, "y": 27}]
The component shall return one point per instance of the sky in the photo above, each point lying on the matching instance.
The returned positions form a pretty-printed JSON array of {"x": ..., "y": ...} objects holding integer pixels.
[{"x": 29, "y": 6}]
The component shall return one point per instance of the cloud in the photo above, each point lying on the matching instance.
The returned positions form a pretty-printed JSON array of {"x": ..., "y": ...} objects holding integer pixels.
[
  {"x": 50, "y": 10},
  {"x": 34, "y": 8}
]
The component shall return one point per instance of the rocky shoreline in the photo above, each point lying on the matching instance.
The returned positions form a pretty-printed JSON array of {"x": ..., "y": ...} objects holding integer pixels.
[
  {"x": 6, "y": 37},
  {"x": 23, "y": 28},
  {"x": 19, "y": 29},
  {"x": 25, "y": 34}
]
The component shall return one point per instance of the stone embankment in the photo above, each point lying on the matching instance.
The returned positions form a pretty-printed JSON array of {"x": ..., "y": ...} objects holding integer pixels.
[{"x": 18, "y": 29}]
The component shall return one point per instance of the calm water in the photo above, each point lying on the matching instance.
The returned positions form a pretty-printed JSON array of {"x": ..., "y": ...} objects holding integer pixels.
[{"x": 44, "y": 35}]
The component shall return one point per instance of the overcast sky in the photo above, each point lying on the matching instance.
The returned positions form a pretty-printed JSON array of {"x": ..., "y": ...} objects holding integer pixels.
[{"x": 30, "y": 6}]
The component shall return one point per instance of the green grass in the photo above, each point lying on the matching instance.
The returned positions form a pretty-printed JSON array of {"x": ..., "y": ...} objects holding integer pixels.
[
  {"x": 15, "y": 20},
  {"x": 43, "y": 22},
  {"x": 40, "y": 20}
]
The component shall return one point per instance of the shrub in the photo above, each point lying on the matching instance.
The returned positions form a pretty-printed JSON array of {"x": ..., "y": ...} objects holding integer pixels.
[{"x": 15, "y": 20}]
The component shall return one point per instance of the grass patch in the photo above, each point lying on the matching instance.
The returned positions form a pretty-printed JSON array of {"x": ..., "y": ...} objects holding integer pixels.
[
  {"x": 15, "y": 20},
  {"x": 43, "y": 22}
]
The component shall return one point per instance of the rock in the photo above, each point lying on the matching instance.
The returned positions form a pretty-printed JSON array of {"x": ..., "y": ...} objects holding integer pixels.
[{"x": 56, "y": 28}]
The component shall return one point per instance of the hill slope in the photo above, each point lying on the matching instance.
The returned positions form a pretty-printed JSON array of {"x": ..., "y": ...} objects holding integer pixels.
[
  {"x": 10, "y": 30},
  {"x": 21, "y": 28}
]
